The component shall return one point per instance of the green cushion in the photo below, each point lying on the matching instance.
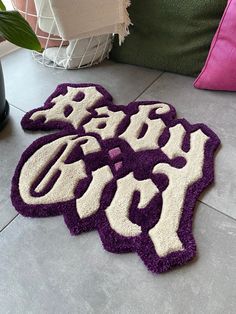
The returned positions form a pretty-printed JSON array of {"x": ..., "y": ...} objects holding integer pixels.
[{"x": 170, "y": 35}]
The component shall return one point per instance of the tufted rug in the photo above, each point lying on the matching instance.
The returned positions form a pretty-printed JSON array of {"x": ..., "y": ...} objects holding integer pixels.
[{"x": 132, "y": 172}]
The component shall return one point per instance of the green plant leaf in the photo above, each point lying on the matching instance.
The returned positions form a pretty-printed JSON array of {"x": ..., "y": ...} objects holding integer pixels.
[
  {"x": 2, "y": 6},
  {"x": 14, "y": 28}
]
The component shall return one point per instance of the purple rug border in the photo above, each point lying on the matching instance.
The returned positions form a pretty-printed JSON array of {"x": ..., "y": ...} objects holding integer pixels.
[{"x": 111, "y": 241}]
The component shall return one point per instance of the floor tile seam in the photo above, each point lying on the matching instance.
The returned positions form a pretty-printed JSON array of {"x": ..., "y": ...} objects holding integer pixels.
[
  {"x": 15, "y": 107},
  {"x": 217, "y": 210},
  {"x": 149, "y": 85},
  {"x": 9, "y": 223}
]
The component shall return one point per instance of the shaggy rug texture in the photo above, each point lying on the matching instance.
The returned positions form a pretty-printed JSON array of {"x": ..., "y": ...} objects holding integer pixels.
[{"x": 132, "y": 172}]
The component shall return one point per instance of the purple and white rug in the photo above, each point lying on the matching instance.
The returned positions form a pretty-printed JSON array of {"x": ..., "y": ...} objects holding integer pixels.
[{"x": 132, "y": 172}]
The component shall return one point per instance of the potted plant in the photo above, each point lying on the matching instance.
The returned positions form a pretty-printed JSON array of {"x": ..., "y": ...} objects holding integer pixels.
[{"x": 14, "y": 28}]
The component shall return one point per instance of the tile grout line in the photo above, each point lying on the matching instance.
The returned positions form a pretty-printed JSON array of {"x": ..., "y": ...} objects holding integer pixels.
[
  {"x": 217, "y": 210},
  {"x": 9, "y": 223},
  {"x": 17, "y": 108},
  {"x": 149, "y": 85},
  {"x": 211, "y": 207}
]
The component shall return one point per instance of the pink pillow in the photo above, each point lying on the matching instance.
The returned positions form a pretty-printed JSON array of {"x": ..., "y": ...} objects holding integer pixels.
[{"x": 219, "y": 71}]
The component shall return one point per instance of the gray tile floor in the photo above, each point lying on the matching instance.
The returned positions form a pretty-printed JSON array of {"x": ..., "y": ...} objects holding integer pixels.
[{"x": 45, "y": 270}]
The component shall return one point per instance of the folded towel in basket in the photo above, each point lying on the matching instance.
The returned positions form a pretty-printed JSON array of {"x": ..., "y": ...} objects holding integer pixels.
[
  {"x": 82, "y": 18},
  {"x": 80, "y": 53}
]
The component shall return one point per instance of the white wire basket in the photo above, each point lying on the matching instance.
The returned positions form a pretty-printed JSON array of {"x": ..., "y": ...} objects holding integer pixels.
[{"x": 59, "y": 53}]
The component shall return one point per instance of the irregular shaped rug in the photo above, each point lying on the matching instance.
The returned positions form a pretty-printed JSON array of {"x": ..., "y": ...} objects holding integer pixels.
[{"x": 132, "y": 172}]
